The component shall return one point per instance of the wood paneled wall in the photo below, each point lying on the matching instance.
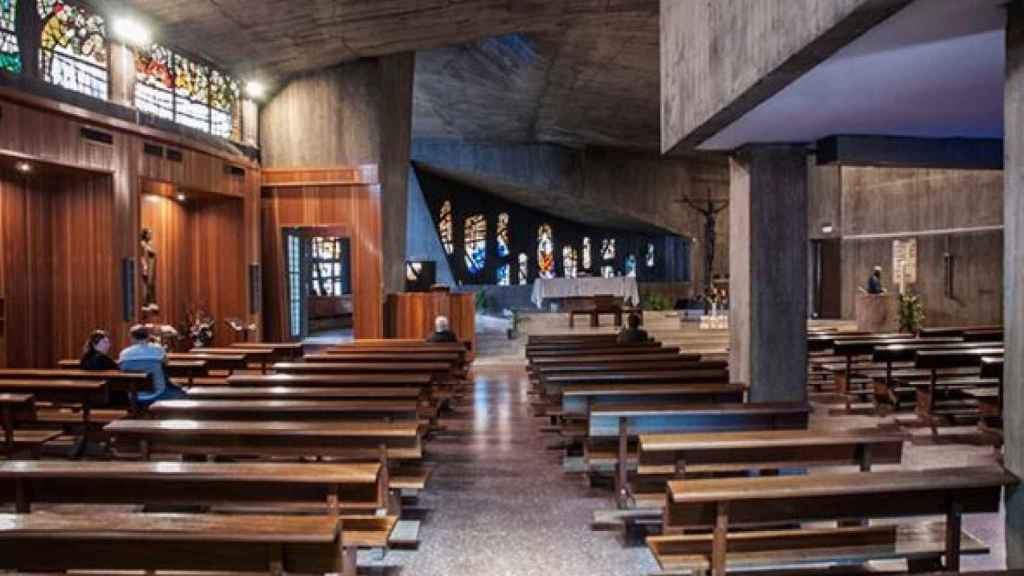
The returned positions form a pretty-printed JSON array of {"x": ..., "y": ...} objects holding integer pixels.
[
  {"x": 351, "y": 206},
  {"x": 200, "y": 262},
  {"x": 89, "y": 221},
  {"x": 58, "y": 276},
  {"x": 412, "y": 314}
]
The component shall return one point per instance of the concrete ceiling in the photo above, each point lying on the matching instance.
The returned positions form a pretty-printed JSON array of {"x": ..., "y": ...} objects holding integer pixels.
[
  {"x": 934, "y": 69},
  {"x": 573, "y": 72}
]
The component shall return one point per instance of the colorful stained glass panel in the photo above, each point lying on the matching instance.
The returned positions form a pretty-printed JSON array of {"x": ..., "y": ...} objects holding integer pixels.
[
  {"x": 545, "y": 252},
  {"x": 524, "y": 269},
  {"x": 191, "y": 93},
  {"x": 73, "y": 51},
  {"x": 570, "y": 261},
  {"x": 502, "y": 238},
  {"x": 504, "y": 272},
  {"x": 650, "y": 255},
  {"x": 444, "y": 228},
  {"x": 476, "y": 243},
  {"x": 608, "y": 249},
  {"x": 631, "y": 266},
  {"x": 10, "y": 56},
  {"x": 154, "y": 81},
  {"x": 586, "y": 253}
]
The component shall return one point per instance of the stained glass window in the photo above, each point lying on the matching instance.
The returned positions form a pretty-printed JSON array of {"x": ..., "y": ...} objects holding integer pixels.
[
  {"x": 73, "y": 50},
  {"x": 223, "y": 100},
  {"x": 586, "y": 253},
  {"x": 413, "y": 271},
  {"x": 608, "y": 271},
  {"x": 503, "y": 240},
  {"x": 10, "y": 58},
  {"x": 545, "y": 252},
  {"x": 650, "y": 255},
  {"x": 524, "y": 269},
  {"x": 608, "y": 249},
  {"x": 476, "y": 243},
  {"x": 631, "y": 266},
  {"x": 503, "y": 274},
  {"x": 329, "y": 266},
  {"x": 191, "y": 93},
  {"x": 176, "y": 88},
  {"x": 154, "y": 81},
  {"x": 444, "y": 228},
  {"x": 570, "y": 261}
]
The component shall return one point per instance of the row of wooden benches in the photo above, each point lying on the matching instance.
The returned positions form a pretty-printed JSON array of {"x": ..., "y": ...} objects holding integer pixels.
[
  {"x": 379, "y": 421},
  {"x": 699, "y": 517}
]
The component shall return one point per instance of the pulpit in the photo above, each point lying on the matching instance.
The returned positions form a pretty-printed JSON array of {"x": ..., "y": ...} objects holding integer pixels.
[{"x": 877, "y": 312}]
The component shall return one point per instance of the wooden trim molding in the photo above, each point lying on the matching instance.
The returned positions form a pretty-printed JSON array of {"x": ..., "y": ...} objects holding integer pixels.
[
  {"x": 365, "y": 174},
  {"x": 916, "y": 233}
]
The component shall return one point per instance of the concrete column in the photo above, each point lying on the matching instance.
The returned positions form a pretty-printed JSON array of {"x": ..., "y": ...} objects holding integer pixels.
[
  {"x": 122, "y": 74},
  {"x": 1013, "y": 280},
  {"x": 768, "y": 271}
]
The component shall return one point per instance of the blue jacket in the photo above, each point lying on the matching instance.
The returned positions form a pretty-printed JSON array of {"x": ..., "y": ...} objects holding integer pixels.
[{"x": 149, "y": 358}]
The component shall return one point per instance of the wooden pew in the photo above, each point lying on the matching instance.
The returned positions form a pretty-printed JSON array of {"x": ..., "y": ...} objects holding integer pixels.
[
  {"x": 886, "y": 392},
  {"x": 440, "y": 370},
  {"x": 282, "y": 350},
  {"x": 845, "y": 375},
  {"x": 186, "y": 542},
  {"x": 303, "y": 393},
  {"x": 955, "y": 331},
  {"x": 671, "y": 455},
  {"x": 712, "y": 372},
  {"x": 574, "y": 359},
  {"x": 15, "y": 410},
  {"x": 612, "y": 428},
  {"x": 939, "y": 400},
  {"x": 400, "y": 357},
  {"x": 228, "y": 362},
  {"x": 322, "y": 488},
  {"x": 990, "y": 399},
  {"x": 343, "y": 440},
  {"x": 721, "y": 504},
  {"x": 288, "y": 410},
  {"x": 581, "y": 399},
  {"x": 603, "y": 349},
  {"x": 83, "y": 394},
  {"x": 127, "y": 383},
  {"x": 262, "y": 356},
  {"x": 394, "y": 379},
  {"x": 189, "y": 370},
  {"x": 569, "y": 337}
]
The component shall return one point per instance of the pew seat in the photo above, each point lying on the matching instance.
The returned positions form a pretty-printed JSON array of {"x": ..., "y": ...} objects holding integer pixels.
[
  {"x": 922, "y": 542},
  {"x": 187, "y": 542}
]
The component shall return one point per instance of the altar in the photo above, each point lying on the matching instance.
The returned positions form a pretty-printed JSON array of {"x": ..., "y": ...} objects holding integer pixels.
[{"x": 558, "y": 288}]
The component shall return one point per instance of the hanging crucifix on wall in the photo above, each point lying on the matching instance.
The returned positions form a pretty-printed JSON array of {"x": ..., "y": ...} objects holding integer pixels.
[{"x": 709, "y": 209}]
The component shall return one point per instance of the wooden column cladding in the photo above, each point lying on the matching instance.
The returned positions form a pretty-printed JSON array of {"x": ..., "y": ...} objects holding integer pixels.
[
  {"x": 345, "y": 199},
  {"x": 68, "y": 224}
]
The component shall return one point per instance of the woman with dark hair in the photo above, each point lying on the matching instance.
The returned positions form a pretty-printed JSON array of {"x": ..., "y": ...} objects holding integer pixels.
[{"x": 96, "y": 353}]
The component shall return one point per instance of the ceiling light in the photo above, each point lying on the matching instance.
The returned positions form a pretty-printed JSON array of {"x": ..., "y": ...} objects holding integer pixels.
[
  {"x": 181, "y": 197},
  {"x": 827, "y": 229},
  {"x": 255, "y": 89},
  {"x": 132, "y": 32},
  {"x": 23, "y": 167}
]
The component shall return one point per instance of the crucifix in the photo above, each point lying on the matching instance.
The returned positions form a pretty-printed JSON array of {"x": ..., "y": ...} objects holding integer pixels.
[{"x": 709, "y": 209}]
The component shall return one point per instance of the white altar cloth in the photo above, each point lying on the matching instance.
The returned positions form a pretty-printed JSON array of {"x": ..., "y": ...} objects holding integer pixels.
[{"x": 621, "y": 286}]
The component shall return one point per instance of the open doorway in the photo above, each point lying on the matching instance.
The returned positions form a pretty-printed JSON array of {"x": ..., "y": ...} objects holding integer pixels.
[
  {"x": 319, "y": 284},
  {"x": 826, "y": 270}
]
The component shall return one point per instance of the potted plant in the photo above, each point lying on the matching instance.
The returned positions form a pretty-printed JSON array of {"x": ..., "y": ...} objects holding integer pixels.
[{"x": 911, "y": 312}]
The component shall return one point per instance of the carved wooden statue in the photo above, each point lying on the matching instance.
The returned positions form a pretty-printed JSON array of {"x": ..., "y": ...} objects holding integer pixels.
[
  {"x": 147, "y": 270},
  {"x": 709, "y": 210}
]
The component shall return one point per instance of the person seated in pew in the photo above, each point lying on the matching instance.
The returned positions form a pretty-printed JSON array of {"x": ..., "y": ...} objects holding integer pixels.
[
  {"x": 144, "y": 355},
  {"x": 96, "y": 353},
  {"x": 442, "y": 331},
  {"x": 632, "y": 333}
]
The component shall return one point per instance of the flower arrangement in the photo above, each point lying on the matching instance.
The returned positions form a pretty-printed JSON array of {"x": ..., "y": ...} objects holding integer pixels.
[{"x": 911, "y": 312}]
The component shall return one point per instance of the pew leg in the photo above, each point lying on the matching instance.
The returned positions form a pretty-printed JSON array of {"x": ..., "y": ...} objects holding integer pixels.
[
  {"x": 719, "y": 539},
  {"x": 954, "y": 512},
  {"x": 349, "y": 556}
]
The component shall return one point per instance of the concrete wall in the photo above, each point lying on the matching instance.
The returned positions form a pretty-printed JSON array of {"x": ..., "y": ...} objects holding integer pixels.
[
  {"x": 954, "y": 211},
  {"x": 721, "y": 59},
  {"x": 421, "y": 239}
]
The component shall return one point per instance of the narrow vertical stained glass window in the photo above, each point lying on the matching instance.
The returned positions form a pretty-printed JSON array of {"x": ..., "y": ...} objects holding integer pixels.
[
  {"x": 502, "y": 236},
  {"x": 10, "y": 56},
  {"x": 191, "y": 94},
  {"x": 73, "y": 51},
  {"x": 503, "y": 274},
  {"x": 608, "y": 249},
  {"x": 294, "y": 287},
  {"x": 154, "y": 81},
  {"x": 586, "y": 253},
  {"x": 631, "y": 266},
  {"x": 223, "y": 101},
  {"x": 444, "y": 228},
  {"x": 650, "y": 255},
  {"x": 476, "y": 243},
  {"x": 545, "y": 252},
  {"x": 570, "y": 261},
  {"x": 524, "y": 269}
]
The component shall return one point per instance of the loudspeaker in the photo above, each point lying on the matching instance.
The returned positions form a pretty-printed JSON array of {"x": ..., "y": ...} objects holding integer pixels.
[
  {"x": 255, "y": 288},
  {"x": 128, "y": 289}
]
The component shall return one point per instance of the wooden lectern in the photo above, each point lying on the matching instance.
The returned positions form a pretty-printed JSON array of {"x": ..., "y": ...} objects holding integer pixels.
[{"x": 877, "y": 312}]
